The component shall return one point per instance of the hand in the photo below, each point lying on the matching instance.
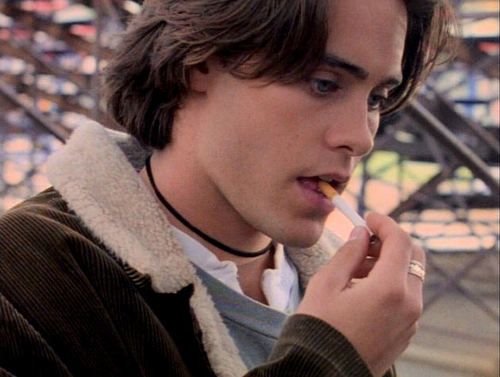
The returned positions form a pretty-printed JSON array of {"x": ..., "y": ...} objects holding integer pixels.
[{"x": 378, "y": 314}]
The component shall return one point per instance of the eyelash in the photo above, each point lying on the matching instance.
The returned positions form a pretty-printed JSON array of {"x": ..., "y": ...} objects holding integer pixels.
[
  {"x": 333, "y": 86},
  {"x": 381, "y": 102}
]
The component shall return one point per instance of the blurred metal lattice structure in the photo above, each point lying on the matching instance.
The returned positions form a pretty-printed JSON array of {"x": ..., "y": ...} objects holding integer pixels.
[
  {"x": 51, "y": 53},
  {"x": 440, "y": 160}
]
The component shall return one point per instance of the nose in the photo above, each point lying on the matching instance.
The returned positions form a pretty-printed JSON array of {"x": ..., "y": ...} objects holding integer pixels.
[{"x": 352, "y": 129}]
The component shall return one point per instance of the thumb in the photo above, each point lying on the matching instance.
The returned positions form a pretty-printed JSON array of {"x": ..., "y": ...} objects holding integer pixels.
[{"x": 348, "y": 258}]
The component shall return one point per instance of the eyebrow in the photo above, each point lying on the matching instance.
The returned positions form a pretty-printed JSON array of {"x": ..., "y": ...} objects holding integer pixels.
[{"x": 357, "y": 71}]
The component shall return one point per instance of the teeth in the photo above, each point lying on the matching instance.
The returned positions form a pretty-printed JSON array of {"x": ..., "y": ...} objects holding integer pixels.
[{"x": 325, "y": 178}]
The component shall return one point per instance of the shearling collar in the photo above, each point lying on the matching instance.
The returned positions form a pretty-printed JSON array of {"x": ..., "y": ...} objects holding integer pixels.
[{"x": 96, "y": 173}]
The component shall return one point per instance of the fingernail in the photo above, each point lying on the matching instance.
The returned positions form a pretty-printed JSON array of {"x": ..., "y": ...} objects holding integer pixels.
[{"x": 357, "y": 232}]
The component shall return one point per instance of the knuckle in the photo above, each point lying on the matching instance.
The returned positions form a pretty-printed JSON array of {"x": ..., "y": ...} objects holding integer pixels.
[
  {"x": 419, "y": 253},
  {"x": 406, "y": 241},
  {"x": 415, "y": 310},
  {"x": 417, "y": 326},
  {"x": 394, "y": 296},
  {"x": 412, "y": 331},
  {"x": 414, "y": 328}
]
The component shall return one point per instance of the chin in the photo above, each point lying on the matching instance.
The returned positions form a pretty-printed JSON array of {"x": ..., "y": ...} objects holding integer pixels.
[{"x": 304, "y": 237}]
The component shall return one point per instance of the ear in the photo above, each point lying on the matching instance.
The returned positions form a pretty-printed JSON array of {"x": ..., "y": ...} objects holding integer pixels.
[{"x": 199, "y": 78}]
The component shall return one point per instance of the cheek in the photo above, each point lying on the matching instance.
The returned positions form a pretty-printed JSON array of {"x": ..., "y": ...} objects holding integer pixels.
[
  {"x": 266, "y": 126},
  {"x": 254, "y": 133}
]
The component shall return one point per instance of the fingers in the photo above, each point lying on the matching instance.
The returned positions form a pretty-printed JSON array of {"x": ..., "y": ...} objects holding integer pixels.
[
  {"x": 364, "y": 268},
  {"x": 374, "y": 246},
  {"x": 348, "y": 259},
  {"x": 415, "y": 283},
  {"x": 414, "y": 291},
  {"x": 373, "y": 252},
  {"x": 395, "y": 252}
]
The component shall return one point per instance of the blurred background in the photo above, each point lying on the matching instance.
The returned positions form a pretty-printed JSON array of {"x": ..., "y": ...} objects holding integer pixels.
[{"x": 435, "y": 166}]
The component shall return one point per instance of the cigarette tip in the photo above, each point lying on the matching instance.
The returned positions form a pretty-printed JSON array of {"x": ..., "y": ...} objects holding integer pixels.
[{"x": 327, "y": 189}]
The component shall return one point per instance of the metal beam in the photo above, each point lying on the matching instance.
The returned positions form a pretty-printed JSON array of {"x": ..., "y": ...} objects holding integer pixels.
[
  {"x": 461, "y": 152},
  {"x": 58, "y": 131}
]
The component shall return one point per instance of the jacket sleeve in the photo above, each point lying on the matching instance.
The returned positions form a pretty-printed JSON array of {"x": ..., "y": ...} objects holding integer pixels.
[
  {"x": 310, "y": 347},
  {"x": 23, "y": 351}
]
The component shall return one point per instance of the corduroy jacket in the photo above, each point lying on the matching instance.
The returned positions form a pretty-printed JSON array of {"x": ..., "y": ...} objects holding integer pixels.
[{"x": 94, "y": 283}]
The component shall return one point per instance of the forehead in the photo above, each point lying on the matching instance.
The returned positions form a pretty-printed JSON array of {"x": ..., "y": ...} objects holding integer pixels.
[{"x": 368, "y": 33}]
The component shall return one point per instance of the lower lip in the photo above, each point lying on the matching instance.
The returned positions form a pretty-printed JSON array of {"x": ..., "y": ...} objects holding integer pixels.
[{"x": 315, "y": 199}]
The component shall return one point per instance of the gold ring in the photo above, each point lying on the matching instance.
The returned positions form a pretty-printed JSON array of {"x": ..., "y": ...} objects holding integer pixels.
[{"x": 416, "y": 268}]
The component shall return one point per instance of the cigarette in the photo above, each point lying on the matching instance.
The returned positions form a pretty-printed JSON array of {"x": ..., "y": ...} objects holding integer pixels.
[{"x": 342, "y": 205}]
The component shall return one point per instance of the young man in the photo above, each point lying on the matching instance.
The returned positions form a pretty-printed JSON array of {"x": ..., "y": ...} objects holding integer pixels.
[{"x": 183, "y": 254}]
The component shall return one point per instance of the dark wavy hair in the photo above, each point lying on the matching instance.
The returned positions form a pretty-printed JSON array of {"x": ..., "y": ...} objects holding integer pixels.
[{"x": 146, "y": 81}]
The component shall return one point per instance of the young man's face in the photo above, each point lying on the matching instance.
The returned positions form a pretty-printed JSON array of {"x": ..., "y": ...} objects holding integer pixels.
[{"x": 264, "y": 148}]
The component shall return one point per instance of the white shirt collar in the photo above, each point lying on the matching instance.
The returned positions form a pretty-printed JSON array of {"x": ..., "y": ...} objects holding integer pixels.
[{"x": 279, "y": 285}]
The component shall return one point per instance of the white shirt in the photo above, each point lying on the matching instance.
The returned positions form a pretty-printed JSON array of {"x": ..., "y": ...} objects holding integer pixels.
[{"x": 279, "y": 285}]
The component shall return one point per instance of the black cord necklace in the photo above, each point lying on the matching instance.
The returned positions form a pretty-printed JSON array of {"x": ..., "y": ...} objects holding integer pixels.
[{"x": 206, "y": 237}]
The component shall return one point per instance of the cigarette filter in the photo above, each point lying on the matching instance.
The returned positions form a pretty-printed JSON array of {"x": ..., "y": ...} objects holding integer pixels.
[{"x": 342, "y": 205}]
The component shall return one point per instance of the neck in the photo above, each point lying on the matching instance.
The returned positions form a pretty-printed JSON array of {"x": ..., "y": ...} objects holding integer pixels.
[
  {"x": 203, "y": 208},
  {"x": 250, "y": 285}
]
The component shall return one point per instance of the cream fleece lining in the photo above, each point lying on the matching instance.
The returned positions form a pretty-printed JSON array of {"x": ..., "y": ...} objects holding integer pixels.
[{"x": 103, "y": 188}]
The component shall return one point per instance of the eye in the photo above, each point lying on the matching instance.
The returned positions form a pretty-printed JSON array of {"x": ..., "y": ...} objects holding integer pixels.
[
  {"x": 377, "y": 102},
  {"x": 323, "y": 87}
]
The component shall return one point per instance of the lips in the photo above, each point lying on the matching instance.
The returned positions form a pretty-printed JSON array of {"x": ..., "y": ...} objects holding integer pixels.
[
  {"x": 315, "y": 201},
  {"x": 312, "y": 183}
]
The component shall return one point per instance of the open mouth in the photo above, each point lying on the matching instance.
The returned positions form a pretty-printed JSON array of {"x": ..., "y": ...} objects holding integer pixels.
[{"x": 312, "y": 183}]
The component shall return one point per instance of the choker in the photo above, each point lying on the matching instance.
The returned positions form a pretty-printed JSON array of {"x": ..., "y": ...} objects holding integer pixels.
[{"x": 187, "y": 224}]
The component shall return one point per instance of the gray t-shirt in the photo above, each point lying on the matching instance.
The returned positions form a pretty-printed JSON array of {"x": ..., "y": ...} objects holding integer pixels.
[{"x": 253, "y": 326}]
